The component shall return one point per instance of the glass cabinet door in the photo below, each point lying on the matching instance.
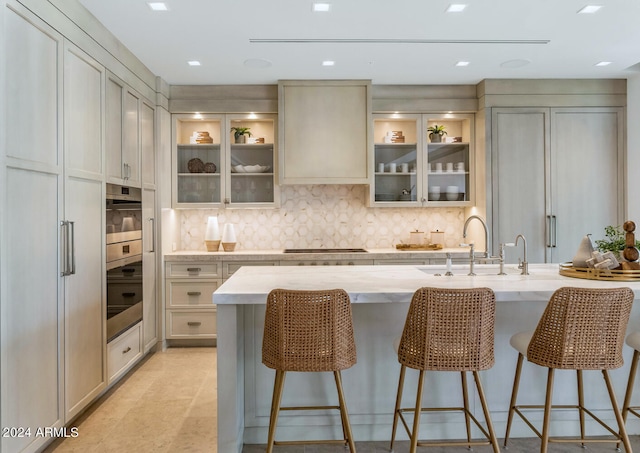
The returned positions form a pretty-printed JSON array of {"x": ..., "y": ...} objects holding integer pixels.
[
  {"x": 198, "y": 160},
  {"x": 397, "y": 162},
  {"x": 449, "y": 159},
  {"x": 251, "y": 159}
]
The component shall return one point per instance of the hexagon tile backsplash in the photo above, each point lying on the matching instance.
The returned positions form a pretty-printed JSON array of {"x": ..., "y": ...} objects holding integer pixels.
[{"x": 322, "y": 216}]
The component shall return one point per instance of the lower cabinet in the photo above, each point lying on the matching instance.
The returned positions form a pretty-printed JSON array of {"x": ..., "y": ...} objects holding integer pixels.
[
  {"x": 123, "y": 351},
  {"x": 190, "y": 312}
]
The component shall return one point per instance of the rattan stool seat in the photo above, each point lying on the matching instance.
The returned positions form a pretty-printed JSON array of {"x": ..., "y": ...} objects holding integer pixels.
[
  {"x": 308, "y": 331},
  {"x": 580, "y": 329},
  {"x": 447, "y": 330}
]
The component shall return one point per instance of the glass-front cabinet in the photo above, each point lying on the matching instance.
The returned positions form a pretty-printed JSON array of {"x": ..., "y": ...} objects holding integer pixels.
[
  {"x": 423, "y": 160},
  {"x": 224, "y": 160}
]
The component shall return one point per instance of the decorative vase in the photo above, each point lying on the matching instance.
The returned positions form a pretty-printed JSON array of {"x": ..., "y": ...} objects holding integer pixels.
[
  {"x": 583, "y": 253},
  {"x": 229, "y": 237},
  {"x": 435, "y": 138},
  {"x": 241, "y": 139},
  {"x": 212, "y": 235}
]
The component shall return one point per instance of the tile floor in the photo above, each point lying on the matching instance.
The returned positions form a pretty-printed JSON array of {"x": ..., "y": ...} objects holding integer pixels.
[{"x": 168, "y": 405}]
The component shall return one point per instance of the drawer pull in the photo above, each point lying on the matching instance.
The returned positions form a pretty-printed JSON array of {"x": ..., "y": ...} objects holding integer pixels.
[
  {"x": 194, "y": 323},
  {"x": 128, "y": 294},
  {"x": 194, "y": 293},
  {"x": 127, "y": 350},
  {"x": 193, "y": 269}
]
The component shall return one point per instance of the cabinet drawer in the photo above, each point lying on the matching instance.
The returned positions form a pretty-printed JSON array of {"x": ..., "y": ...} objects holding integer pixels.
[
  {"x": 191, "y": 324},
  {"x": 190, "y": 293},
  {"x": 124, "y": 351},
  {"x": 202, "y": 270},
  {"x": 230, "y": 267}
]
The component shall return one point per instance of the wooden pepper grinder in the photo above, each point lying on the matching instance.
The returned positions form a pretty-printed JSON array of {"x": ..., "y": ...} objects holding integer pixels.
[{"x": 630, "y": 252}]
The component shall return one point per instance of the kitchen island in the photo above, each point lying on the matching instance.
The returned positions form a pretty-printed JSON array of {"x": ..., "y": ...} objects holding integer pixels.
[{"x": 380, "y": 296}]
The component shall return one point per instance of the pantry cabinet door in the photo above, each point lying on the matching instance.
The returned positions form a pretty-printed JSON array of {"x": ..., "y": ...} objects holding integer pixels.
[
  {"x": 586, "y": 174},
  {"x": 520, "y": 188}
]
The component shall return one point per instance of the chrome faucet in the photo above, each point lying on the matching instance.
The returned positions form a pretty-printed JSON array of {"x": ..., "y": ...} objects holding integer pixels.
[
  {"x": 487, "y": 251},
  {"x": 524, "y": 265}
]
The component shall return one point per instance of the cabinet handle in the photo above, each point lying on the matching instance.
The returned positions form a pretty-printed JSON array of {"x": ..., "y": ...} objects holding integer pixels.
[
  {"x": 193, "y": 269},
  {"x": 194, "y": 323},
  {"x": 194, "y": 293},
  {"x": 153, "y": 234},
  {"x": 67, "y": 248},
  {"x": 128, "y": 294},
  {"x": 127, "y": 350},
  {"x": 555, "y": 231}
]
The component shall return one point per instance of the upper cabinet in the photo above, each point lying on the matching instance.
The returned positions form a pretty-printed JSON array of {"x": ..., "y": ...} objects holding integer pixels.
[
  {"x": 214, "y": 168},
  {"x": 325, "y": 131},
  {"x": 415, "y": 167},
  {"x": 128, "y": 117}
]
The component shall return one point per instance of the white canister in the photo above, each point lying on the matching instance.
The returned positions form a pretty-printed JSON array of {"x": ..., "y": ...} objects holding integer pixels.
[
  {"x": 437, "y": 237},
  {"x": 416, "y": 237},
  {"x": 449, "y": 167},
  {"x": 437, "y": 167},
  {"x": 404, "y": 168},
  {"x": 381, "y": 167},
  {"x": 392, "y": 167},
  {"x": 228, "y": 237}
]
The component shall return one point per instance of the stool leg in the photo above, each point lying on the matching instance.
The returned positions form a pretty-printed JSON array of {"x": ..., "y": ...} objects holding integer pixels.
[
  {"x": 547, "y": 412},
  {"x": 487, "y": 415},
  {"x": 278, "y": 385},
  {"x": 629, "y": 391},
  {"x": 396, "y": 413},
  {"x": 514, "y": 395},
  {"x": 418, "y": 410},
  {"x": 465, "y": 401},
  {"x": 630, "y": 383},
  {"x": 616, "y": 411},
  {"x": 580, "y": 403},
  {"x": 346, "y": 426}
]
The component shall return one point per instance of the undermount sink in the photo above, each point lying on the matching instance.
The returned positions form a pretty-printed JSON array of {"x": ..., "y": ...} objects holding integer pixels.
[{"x": 345, "y": 250}]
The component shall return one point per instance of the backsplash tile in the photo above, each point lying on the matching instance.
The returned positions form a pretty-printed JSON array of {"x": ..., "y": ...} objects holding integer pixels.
[{"x": 329, "y": 216}]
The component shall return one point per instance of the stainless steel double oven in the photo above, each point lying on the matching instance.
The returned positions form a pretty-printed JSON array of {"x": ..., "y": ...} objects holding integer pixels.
[{"x": 124, "y": 258}]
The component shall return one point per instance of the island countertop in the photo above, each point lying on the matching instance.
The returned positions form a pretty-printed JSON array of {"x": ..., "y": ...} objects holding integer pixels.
[
  {"x": 380, "y": 297},
  {"x": 397, "y": 283}
]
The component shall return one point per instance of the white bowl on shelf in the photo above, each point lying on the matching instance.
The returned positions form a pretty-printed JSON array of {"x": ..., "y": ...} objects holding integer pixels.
[{"x": 452, "y": 193}]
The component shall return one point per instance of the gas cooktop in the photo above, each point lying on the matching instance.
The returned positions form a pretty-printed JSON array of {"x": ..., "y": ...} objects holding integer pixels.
[{"x": 325, "y": 251}]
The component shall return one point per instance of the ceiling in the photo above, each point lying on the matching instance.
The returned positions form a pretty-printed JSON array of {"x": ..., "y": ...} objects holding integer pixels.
[{"x": 389, "y": 42}]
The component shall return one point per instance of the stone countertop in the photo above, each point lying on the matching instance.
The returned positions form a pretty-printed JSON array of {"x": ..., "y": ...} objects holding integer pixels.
[
  {"x": 396, "y": 284},
  {"x": 279, "y": 255}
]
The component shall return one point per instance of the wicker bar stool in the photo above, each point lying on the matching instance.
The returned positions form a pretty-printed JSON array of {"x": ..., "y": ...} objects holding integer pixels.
[
  {"x": 308, "y": 331},
  {"x": 580, "y": 329},
  {"x": 447, "y": 330},
  {"x": 633, "y": 340}
]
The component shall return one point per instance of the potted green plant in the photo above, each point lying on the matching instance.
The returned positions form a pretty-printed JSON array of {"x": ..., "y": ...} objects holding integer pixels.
[
  {"x": 435, "y": 133},
  {"x": 239, "y": 134},
  {"x": 614, "y": 242}
]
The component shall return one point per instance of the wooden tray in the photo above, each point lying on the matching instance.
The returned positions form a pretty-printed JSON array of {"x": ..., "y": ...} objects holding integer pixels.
[
  {"x": 416, "y": 247},
  {"x": 568, "y": 270}
]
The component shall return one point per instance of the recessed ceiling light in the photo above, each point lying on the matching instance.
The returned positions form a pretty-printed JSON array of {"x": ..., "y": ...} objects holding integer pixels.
[
  {"x": 158, "y": 6},
  {"x": 328, "y": 63},
  {"x": 257, "y": 63},
  {"x": 603, "y": 63},
  {"x": 194, "y": 63},
  {"x": 321, "y": 7},
  {"x": 518, "y": 63},
  {"x": 462, "y": 63},
  {"x": 456, "y": 8},
  {"x": 589, "y": 9}
]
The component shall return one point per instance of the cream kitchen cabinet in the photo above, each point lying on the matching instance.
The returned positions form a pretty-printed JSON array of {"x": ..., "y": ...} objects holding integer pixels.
[
  {"x": 412, "y": 171},
  {"x": 189, "y": 310},
  {"x": 325, "y": 131},
  {"x": 556, "y": 175},
  {"x": 52, "y": 307},
  {"x": 212, "y": 170},
  {"x": 150, "y": 313},
  {"x": 124, "y": 351},
  {"x": 129, "y": 132}
]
